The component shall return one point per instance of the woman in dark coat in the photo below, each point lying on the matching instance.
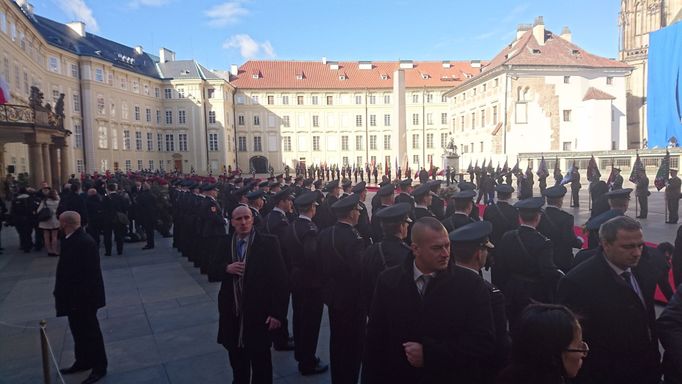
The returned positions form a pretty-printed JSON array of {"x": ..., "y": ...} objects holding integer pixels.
[{"x": 22, "y": 218}]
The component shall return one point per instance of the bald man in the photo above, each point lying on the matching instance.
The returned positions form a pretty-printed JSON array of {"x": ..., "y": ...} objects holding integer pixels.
[
  {"x": 246, "y": 322},
  {"x": 78, "y": 294}
]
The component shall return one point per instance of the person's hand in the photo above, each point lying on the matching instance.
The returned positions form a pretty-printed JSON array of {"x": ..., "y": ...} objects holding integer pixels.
[
  {"x": 414, "y": 353},
  {"x": 272, "y": 323},
  {"x": 236, "y": 268}
]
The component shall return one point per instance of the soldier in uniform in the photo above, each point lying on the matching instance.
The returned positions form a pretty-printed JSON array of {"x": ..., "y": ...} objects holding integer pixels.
[
  {"x": 341, "y": 248},
  {"x": 306, "y": 284},
  {"x": 672, "y": 196},
  {"x": 437, "y": 203},
  {"x": 575, "y": 187},
  {"x": 642, "y": 193},
  {"x": 256, "y": 202},
  {"x": 385, "y": 194},
  {"x": 557, "y": 225},
  {"x": 324, "y": 217},
  {"x": 524, "y": 265},
  {"x": 464, "y": 186},
  {"x": 502, "y": 215},
  {"x": 618, "y": 201},
  {"x": 346, "y": 185},
  {"x": 376, "y": 199},
  {"x": 405, "y": 190},
  {"x": 363, "y": 226},
  {"x": 469, "y": 247},
  {"x": 213, "y": 223},
  {"x": 617, "y": 182},
  {"x": 422, "y": 200},
  {"x": 463, "y": 203}
]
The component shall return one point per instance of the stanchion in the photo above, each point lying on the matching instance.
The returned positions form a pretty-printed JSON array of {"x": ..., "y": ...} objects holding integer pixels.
[{"x": 44, "y": 352}]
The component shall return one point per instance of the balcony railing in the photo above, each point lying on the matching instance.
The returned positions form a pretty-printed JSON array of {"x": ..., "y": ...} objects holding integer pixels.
[{"x": 16, "y": 114}]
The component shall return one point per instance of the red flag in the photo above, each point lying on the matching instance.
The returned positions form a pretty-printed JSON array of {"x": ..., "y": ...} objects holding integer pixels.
[{"x": 4, "y": 91}]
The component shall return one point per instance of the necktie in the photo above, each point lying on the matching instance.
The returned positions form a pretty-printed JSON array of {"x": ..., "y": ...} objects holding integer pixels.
[
  {"x": 241, "y": 247},
  {"x": 424, "y": 283},
  {"x": 626, "y": 276}
]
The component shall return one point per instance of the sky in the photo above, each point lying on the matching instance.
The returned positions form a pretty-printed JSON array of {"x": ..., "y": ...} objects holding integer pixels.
[{"x": 218, "y": 33}]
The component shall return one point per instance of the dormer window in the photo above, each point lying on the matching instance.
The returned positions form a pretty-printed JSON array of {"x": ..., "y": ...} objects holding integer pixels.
[
  {"x": 299, "y": 75},
  {"x": 425, "y": 75},
  {"x": 383, "y": 76},
  {"x": 185, "y": 72},
  {"x": 256, "y": 75},
  {"x": 536, "y": 51},
  {"x": 342, "y": 76},
  {"x": 575, "y": 52}
]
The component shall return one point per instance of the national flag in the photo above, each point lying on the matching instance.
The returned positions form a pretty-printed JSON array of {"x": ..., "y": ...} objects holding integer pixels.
[
  {"x": 593, "y": 173},
  {"x": 569, "y": 174},
  {"x": 476, "y": 167},
  {"x": 431, "y": 166},
  {"x": 483, "y": 168},
  {"x": 542, "y": 169},
  {"x": 663, "y": 172},
  {"x": 4, "y": 91},
  {"x": 516, "y": 168},
  {"x": 490, "y": 166},
  {"x": 637, "y": 171},
  {"x": 612, "y": 175},
  {"x": 505, "y": 168},
  {"x": 498, "y": 169},
  {"x": 557, "y": 170},
  {"x": 470, "y": 168}
]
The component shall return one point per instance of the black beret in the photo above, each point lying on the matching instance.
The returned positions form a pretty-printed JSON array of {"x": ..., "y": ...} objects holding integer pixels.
[
  {"x": 476, "y": 232},
  {"x": 530, "y": 204},
  {"x": 504, "y": 188},
  {"x": 556, "y": 191},
  {"x": 465, "y": 185},
  {"x": 346, "y": 204},
  {"x": 305, "y": 199},
  {"x": 255, "y": 194},
  {"x": 395, "y": 213},
  {"x": 359, "y": 187},
  {"x": 386, "y": 190},
  {"x": 619, "y": 193},
  {"x": 466, "y": 194},
  {"x": 421, "y": 190}
]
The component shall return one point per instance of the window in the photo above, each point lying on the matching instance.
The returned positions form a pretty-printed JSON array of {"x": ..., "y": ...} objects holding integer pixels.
[
  {"x": 159, "y": 142},
  {"x": 482, "y": 118},
  {"x": 170, "y": 142},
  {"x": 359, "y": 161},
  {"x": 148, "y": 114},
  {"x": 387, "y": 142},
  {"x": 100, "y": 105},
  {"x": 567, "y": 115},
  {"x": 257, "y": 144},
  {"x": 76, "y": 102},
  {"x": 136, "y": 86},
  {"x": 299, "y": 100},
  {"x": 481, "y": 146},
  {"x": 55, "y": 94},
  {"x": 567, "y": 79},
  {"x": 330, "y": 100},
  {"x": 373, "y": 142},
  {"x": 521, "y": 113},
  {"x": 286, "y": 143},
  {"x": 358, "y": 143},
  {"x": 241, "y": 143},
  {"x": 77, "y": 135},
  {"x": 53, "y": 64},
  {"x": 168, "y": 93},
  {"x": 372, "y": 99},
  {"x": 494, "y": 114},
  {"x": 415, "y": 159},
  {"x": 496, "y": 82},
  {"x": 429, "y": 118},
  {"x": 158, "y": 117},
  {"x": 126, "y": 140},
  {"x": 151, "y": 165},
  {"x": 444, "y": 118},
  {"x": 415, "y": 141},
  {"x": 240, "y": 119},
  {"x": 137, "y": 113},
  {"x": 609, "y": 80},
  {"x": 3, "y": 22},
  {"x": 124, "y": 111},
  {"x": 429, "y": 140},
  {"x": 316, "y": 121},
  {"x": 373, "y": 120},
  {"x": 358, "y": 99},
  {"x": 271, "y": 100},
  {"x": 443, "y": 98},
  {"x": 124, "y": 83},
  {"x": 146, "y": 89},
  {"x": 157, "y": 92},
  {"x": 387, "y": 120},
  {"x": 358, "y": 120},
  {"x": 415, "y": 119},
  {"x": 285, "y": 99},
  {"x": 415, "y": 98},
  {"x": 485, "y": 87},
  {"x": 256, "y": 120},
  {"x": 150, "y": 141},
  {"x": 129, "y": 166},
  {"x": 566, "y": 145},
  {"x": 473, "y": 120},
  {"x": 74, "y": 70},
  {"x": 345, "y": 160},
  {"x": 212, "y": 142},
  {"x": 474, "y": 90},
  {"x": 387, "y": 99},
  {"x": 285, "y": 121},
  {"x": 429, "y": 98},
  {"x": 79, "y": 166},
  {"x": 443, "y": 139},
  {"x": 211, "y": 117},
  {"x": 103, "y": 139},
  {"x": 181, "y": 93},
  {"x": 344, "y": 143},
  {"x": 182, "y": 117},
  {"x": 315, "y": 99},
  {"x": 316, "y": 143},
  {"x": 139, "y": 165},
  {"x": 255, "y": 100},
  {"x": 138, "y": 140},
  {"x": 461, "y": 123},
  {"x": 169, "y": 117}
]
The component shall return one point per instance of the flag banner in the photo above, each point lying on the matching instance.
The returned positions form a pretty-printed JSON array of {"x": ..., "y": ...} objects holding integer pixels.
[
  {"x": 470, "y": 168},
  {"x": 557, "y": 170},
  {"x": 637, "y": 171},
  {"x": 612, "y": 175},
  {"x": 663, "y": 172},
  {"x": 569, "y": 173},
  {"x": 542, "y": 169},
  {"x": 593, "y": 173}
]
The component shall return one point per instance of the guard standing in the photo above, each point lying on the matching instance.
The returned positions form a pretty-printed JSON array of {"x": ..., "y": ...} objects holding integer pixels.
[
  {"x": 642, "y": 193},
  {"x": 672, "y": 195},
  {"x": 617, "y": 182},
  {"x": 363, "y": 223},
  {"x": 575, "y": 187},
  {"x": 557, "y": 225},
  {"x": 502, "y": 215},
  {"x": 422, "y": 200},
  {"x": 385, "y": 194},
  {"x": 463, "y": 205},
  {"x": 437, "y": 203}
]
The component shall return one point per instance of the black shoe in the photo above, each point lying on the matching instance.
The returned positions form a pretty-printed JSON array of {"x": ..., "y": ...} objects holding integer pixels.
[
  {"x": 288, "y": 346},
  {"x": 314, "y": 370},
  {"x": 94, "y": 377},
  {"x": 73, "y": 369}
]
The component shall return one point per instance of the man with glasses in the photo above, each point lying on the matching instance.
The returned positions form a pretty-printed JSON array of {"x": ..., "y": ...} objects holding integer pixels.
[{"x": 613, "y": 291}]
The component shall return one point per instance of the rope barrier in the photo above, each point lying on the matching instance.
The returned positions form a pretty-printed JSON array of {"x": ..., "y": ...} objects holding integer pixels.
[
  {"x": 49, "y": 348},
  {"x": 18, "y": 326},
  {"x": 46, "y": 349}
]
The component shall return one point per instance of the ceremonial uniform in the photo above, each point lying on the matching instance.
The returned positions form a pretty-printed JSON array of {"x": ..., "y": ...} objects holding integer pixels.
[
  {"x": 503, "y": 216},
  {"x": 558, "y": 226},
  {"x": 642, "y": 193},
  {"x": 575, "y": 188},
  {"x": 672, "y": 196}
]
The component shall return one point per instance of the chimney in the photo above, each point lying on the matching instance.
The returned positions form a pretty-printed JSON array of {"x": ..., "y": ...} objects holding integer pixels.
[
  {"x": 521, "y": 29},
  {"x": 234, "y": 70},
  {"x": 539, "y": 30},
  {"x": 324, "y": 60},
  {"x": 78, "y": 27},
  {"x": 166, "y": 55},
  {"x": 566, "y": 34},
  {"x": 139, "y": 50}
]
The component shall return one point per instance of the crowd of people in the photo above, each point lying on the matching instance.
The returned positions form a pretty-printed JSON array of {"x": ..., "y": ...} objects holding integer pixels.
[{"x": 403, "y": 286}]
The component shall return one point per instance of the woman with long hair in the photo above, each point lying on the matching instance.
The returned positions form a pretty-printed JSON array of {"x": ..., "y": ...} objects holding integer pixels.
[
  {"x": 547, "y": 347},
  {"x": 50, "y": 226}
]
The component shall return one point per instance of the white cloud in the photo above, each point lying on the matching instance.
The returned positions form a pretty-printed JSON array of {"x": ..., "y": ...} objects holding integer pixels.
[
  {"x": 250, "y": 48},
  {"x": 226, "y": 13},
  {"x": 79, "y": 11},
  {"x": 147, "y": 3}
]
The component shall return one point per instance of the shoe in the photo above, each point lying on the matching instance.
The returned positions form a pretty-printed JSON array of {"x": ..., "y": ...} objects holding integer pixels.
[
  {"x": 288, "y": 346},
  {"x": 316, "y": 369},
  {"x": 73, "y": 369},
  {"x": 147, "y": 247},
  {"x": 94, "y": 377}
]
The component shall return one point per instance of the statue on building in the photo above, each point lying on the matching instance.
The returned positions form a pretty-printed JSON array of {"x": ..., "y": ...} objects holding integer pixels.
[
  {"x": 35, "y": 100},
  {"x": 59, "y": 106}
]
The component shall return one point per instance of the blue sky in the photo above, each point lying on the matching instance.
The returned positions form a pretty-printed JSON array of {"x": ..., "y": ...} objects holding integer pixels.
[{"x": 218, "y": 33}]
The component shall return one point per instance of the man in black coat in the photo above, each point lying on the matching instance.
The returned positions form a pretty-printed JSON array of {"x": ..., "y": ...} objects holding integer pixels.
[
  {"x": 422, "y": 200},
  {"x": 463, "y": 204},
  {"x": 212, "y": 223},
  {"x": 115, "y": 207},
  {"x": 252, "y": 298},
  {"x": 95, "y": 208},
  {"x": 613, "y": 291},
  {"x": 437, "y": 203},
  {"x": 558, "y": 226},
  {"x": 78, "y": 294},
  {"x": 669, "y": 326},
  {"x": 146, "y": 213},
  {"x": 430, "y": 322},
  {"x": 405, "y": 190}
]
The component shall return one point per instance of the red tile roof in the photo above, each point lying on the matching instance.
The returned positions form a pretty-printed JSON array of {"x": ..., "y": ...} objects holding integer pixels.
[
  {"x": 597, "y": 94},
  {"x": 282, "y": 75}
]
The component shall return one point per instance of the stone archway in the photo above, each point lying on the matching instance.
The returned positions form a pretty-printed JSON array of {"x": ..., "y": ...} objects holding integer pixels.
[{"x": 259, "y": 164}]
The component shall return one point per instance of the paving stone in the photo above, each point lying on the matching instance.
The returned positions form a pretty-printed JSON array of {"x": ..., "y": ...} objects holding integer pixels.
[
  {"x": 169, "y": 319},
  {"x": 187, "y": 342}
]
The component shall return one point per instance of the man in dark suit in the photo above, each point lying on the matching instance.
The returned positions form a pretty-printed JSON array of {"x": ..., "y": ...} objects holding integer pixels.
[
  {"x": 669, "y": 325},
  {"x": 642, "y": 193},
  {"x": 115, "y": 208},
  {"x": 422, "y": 201},
  {"x": 672, "y": 196},
  {"x": 253, "y": 296},
  {"x": 463, "y": 204},
  {"x": 341, "y": 247},
  {"x": 502, "y": 215},
  {"x": 557, "y": 225},
  {"x": 524, "y": 263},
  {"x": 78, "y": 294},
  {"x": 430, "y": 322},
  {"x": 614, "y": 293},
  {"x": 212, "y": 223},
  {"x": 146, "y": 213},
  {"x": 437, "y": 203}
]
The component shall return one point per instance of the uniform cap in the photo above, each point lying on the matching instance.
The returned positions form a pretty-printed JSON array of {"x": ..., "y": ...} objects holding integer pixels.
[
  {"x": 305, "y": 199},
  {"x": 386, "y": 190},
  {"x": 331, "y": 185},
  {"x": 346, "y": 204},
  {"x": 476, "y": 232},
  {"x": 466, "y": 194},
  {"x": 346, "y": 183},
  {"x": 465, "y": 185},
  {"x": 405, "y": 183},
  {"x": 421, "y": 190},
  {"x": 308, "y": 182},
  {"x": 264, "y": 184},
  {"x": 619, "y": 193},
  {"x": 504, "y": 188},
  {"x": 594, "y": 223},
  {"x": 385, "y": 182},
  {"x": 530, "y": 204},
  {"x": 556, "y": 191},
  {"x": 359, "y": 187},
  {"x": 282, "y": 195},
  {"x": 395, "y": 213},
  {"x": 255, "y": 194}
]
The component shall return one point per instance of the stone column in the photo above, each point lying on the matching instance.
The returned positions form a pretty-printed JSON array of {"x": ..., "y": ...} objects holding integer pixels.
[
  {"x": 47, "y": 170},
  {"x": 54, "y": 167},
  {"x": 35, "y": 163},
  {"x": 65, "y": 162}
]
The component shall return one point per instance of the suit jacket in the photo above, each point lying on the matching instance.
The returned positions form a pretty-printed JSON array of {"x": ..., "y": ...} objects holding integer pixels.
[
  {"x": 453, "y": 322},
  {"x": 617, "y": 325},
  {"x": 455, "y": 221},
  {"x": 78, "y": 283},
  {"x": 557, "y": 225},
  {"x": 669, "y": 325},
  {"x": 503, "y": 217},
  {"x": 265, "y": 290},
  {"x": 420, "y": 212},
  {"x": 382, "y": 255}
]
